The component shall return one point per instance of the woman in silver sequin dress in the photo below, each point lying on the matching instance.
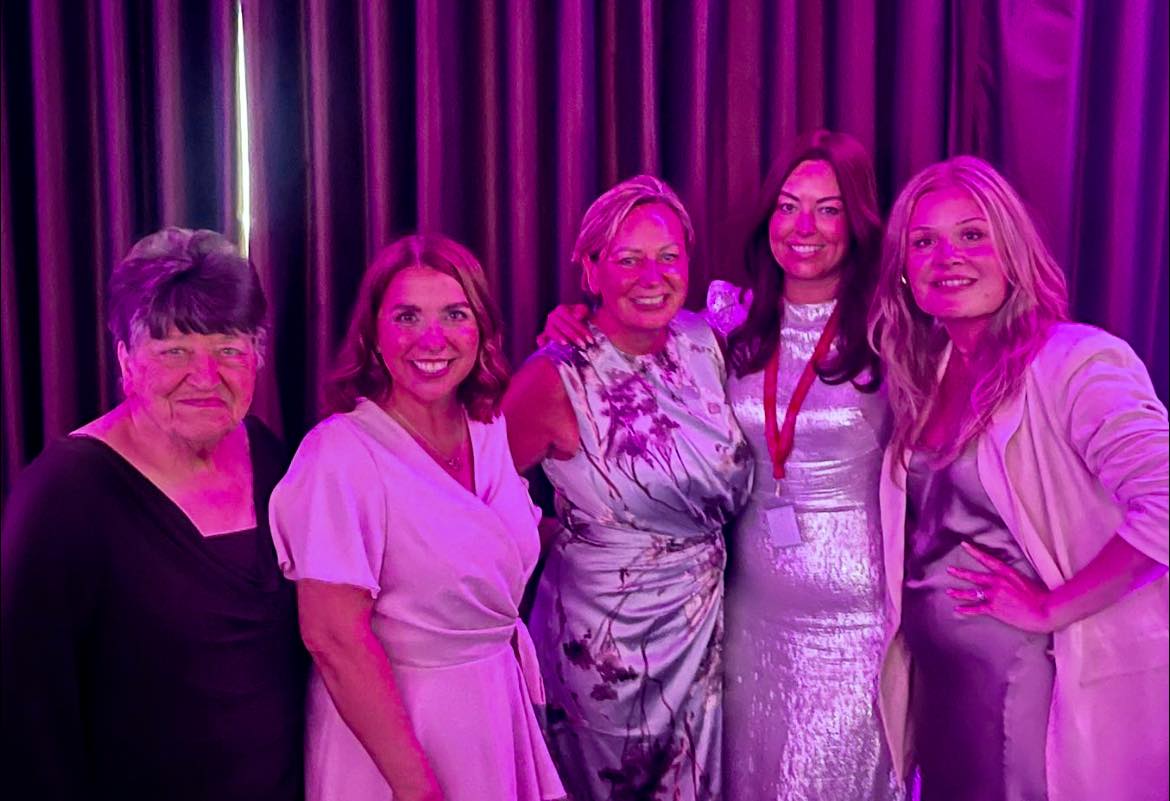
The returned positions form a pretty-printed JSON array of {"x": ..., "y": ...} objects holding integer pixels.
[
  {"x": 805, "y": 610},
  {"x": 805, "y": 604}
]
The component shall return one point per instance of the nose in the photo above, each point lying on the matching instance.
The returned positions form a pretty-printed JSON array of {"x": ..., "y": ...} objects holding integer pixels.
[
  {"x": 805, "y": 224},
  {"x": 433, "y": 336},
  {"x": 204, "y": 370},
  {"x": 652, "y": 270}
]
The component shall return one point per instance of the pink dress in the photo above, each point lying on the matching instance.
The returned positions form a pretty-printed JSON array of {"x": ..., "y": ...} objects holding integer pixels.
[{"x": 364, "y": 505}]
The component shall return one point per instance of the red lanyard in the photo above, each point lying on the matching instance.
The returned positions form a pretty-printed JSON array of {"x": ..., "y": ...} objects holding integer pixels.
[{"x": 780, "y": 439}]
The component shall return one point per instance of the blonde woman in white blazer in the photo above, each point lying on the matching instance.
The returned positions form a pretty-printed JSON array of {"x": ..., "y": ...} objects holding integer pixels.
[{"x": 1025, "y": 515}]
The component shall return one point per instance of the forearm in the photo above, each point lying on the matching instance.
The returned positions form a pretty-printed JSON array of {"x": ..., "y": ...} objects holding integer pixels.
[
  {"x": 360, "y": 680},
  {"x": 1117, "y": 570}
]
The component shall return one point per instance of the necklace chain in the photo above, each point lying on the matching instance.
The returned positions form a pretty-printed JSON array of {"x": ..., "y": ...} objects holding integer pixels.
[{"x": 452, "y": 462}]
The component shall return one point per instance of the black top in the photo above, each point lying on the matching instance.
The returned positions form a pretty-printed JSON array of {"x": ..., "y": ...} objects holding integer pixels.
[{"x": 140, "y": 659}]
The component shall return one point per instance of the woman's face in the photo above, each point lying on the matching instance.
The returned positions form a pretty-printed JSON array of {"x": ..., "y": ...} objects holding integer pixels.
[
  {"x": 195, "y": 387},
  {"x": 808, "y": 232},
  {"x": 642, "y": 276},
  {"x": 427, "y": 335},
  {"x": 952, "y": 265}
]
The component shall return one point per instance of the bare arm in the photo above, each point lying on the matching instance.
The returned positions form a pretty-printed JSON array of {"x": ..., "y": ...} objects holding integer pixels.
[
  {"x": 335, "y": 625},
  {"x": 541, "y": 422}
]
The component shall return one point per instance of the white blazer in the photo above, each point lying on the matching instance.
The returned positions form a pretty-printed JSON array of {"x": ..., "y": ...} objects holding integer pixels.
[{"x": 1079, "y": 455}]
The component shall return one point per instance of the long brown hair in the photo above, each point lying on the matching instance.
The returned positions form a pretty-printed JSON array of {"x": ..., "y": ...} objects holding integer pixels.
[
  {"x": 360, "y": 373},
  {"x": 752, "y": 344}
]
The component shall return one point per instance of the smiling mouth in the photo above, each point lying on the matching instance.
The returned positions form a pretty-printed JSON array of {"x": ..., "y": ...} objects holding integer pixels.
[
  {"x": 804, "y": 250},
  {"x": 204, "y": 403},
  {"x": 649, "y": 302},
  {"x": 952, "y": 283},
  {"x": 431, "y": 366}
]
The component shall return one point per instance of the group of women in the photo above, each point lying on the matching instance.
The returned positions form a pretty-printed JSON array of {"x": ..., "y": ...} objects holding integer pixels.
[{"x": 945, "y": 509}]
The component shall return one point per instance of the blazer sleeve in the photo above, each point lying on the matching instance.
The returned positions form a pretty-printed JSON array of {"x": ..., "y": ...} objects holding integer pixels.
[{"x": 1118, "y": 426}]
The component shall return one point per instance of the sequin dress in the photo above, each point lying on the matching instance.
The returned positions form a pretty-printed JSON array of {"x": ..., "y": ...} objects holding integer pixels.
[
  {"x": 804, "y": 610},
  {"x": 628, "y": 615}
]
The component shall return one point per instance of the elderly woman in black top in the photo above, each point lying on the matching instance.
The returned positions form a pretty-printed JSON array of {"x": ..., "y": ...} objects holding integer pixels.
[{"x": 150, "y": 646}]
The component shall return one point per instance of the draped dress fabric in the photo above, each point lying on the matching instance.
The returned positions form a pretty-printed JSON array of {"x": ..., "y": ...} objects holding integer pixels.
[
  {"x": 364, "y": 505},
  {"x": 981, "y": 689},
  {"x": 805, "y": 620},
  {"x": 628, "y": 612}
]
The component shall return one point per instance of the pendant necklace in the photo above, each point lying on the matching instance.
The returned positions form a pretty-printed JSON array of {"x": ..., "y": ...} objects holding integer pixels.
[{"x": 453, "y": 462}]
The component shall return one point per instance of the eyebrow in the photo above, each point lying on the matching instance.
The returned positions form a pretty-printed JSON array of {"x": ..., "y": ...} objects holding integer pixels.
[
  {"x": 414, "y": 307},
  {"x": 819, "y": 200},
  {"x": 960, "y": 222}
]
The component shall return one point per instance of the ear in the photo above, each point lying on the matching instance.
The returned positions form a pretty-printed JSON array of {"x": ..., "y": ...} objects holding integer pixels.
[
  {"x": 589, "y": 276},
  {"x": 123, "y": 354},
  {"x": 123, "y": 359}
]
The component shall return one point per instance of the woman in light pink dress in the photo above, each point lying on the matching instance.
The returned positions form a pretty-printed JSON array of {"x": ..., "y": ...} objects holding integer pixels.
[{"x": 411, "y": 537}]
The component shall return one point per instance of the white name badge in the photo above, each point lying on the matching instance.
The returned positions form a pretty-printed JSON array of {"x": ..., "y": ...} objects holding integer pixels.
[{"x": 783, "y": 530}]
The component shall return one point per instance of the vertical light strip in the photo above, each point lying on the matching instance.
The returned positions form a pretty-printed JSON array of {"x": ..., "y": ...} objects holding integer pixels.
[{"x": 243, "y": 152}]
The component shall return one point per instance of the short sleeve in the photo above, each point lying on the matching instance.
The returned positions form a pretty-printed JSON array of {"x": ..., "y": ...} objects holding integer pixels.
[
  {"x": 727, "y": 306},
  {"x": 329, "y": 513}
]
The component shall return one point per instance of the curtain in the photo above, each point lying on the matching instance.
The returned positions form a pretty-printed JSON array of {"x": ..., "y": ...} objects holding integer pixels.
[
  {"x": 498, "y": 121},
  {"x": 118, "y": 119}
]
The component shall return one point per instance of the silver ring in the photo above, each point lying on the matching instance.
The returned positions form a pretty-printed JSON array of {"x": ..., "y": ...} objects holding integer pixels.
[{"x": 980, "y": 596}]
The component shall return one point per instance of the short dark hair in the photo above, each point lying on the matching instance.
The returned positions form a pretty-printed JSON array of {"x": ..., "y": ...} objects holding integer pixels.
[
  {"x": 359, "y": 370},
  {"x": 194, "y": 280}
]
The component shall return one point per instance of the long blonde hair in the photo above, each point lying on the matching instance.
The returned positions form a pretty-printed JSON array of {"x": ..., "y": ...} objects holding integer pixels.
[{"x": 911, "y": 343}]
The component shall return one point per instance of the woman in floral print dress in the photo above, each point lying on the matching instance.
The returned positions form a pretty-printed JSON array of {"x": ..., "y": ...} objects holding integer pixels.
[{"x": 636, "y": 436}]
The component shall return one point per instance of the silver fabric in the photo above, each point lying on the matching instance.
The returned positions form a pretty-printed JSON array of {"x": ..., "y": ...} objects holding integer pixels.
[{"x": 805, "y": 621}]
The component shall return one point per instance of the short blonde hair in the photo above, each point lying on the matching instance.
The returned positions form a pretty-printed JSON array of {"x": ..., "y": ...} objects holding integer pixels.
[
  {"x": 910, "y": 342},
  {"x": 605, "y": 215}
]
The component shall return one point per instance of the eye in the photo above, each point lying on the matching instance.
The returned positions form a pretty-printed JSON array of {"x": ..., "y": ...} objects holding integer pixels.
[
  {"x": 406, "y": 317},
  {"x": 830, "y": 211},
  {"x": 668, "y": 258},
  {"x": 921, "y": 242},
  {"x": 458, "y": 315},
  {"x": 973, "y": 235},
  {"x": 628, "y": 261},
  {"x": 786, "y": 207},
  {"x": 175, "y": 351},
  {"x": 231, "y": 351}
]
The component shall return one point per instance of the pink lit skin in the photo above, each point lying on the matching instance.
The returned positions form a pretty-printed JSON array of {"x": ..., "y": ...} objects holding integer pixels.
[
  {"x": 809, "y": 234},
  {"x": 193, "y": 388},
  {"x": 428, "y": 339},
  {"x": 641, "y": 278},
  {"x": 953, "y": 266}
]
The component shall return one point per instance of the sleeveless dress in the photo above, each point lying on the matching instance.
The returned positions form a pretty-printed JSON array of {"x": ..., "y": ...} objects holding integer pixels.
[
  {"x": 363, "y": 504},
  {"x": 980, "y": 689},
  {"x": 628, "y": 613},
  {"x": 805, "y": 587}
]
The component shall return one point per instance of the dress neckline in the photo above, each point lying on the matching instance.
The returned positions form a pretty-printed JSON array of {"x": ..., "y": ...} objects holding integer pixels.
[{"x": 809, "y": 314}]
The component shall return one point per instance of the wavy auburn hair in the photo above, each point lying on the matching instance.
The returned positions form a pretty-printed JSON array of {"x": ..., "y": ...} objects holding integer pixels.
[
  {"x": 912, "y": 343},
  {"x": 359, "y": 371},
  {"x": 752, "y": 344}
]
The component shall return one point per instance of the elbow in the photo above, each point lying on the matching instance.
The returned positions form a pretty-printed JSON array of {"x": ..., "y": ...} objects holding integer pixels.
[{"x": 333, "y": 645}]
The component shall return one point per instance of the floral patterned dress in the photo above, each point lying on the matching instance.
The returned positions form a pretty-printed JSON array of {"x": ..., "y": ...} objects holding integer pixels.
[{"x": 628, "y": 615}]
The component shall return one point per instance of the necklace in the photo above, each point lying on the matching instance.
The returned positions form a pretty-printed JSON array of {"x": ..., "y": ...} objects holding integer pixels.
[{"x": 454, "y": 462}]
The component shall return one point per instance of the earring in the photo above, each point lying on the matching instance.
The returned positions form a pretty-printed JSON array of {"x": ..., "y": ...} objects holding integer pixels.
[{"x": 902, "y": 278}]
